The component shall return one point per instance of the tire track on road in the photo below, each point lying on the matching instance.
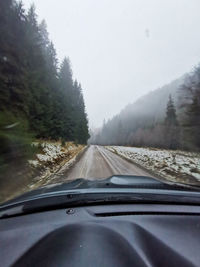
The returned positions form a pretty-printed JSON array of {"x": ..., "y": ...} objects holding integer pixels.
[{"x": 98, "y": 162}]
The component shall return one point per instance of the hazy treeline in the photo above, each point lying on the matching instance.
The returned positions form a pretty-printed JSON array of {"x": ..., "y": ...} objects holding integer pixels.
[{"x": 168, "y": 117}]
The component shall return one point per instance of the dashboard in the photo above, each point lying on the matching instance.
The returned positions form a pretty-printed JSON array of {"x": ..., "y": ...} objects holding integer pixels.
[{"x": 103, "y": 235}]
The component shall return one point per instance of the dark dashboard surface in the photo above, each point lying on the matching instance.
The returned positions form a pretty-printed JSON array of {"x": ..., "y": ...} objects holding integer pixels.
[{"x": 104, "y": 235}]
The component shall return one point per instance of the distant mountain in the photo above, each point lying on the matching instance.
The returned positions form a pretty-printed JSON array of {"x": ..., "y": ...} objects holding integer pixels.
[
  {"x": 154, "y": 103},
  {"x": 145, "y": 112}
]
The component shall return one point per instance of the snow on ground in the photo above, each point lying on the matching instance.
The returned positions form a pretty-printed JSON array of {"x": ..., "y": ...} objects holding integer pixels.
[
  {"x": 181, "y": 166},
  {"x": 51, "y": 152},
  {"x": 53, "y": 159},
  {"x": 49, "y": 163}
]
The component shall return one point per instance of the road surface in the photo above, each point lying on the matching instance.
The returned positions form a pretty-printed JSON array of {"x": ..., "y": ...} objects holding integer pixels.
[{"x": 98, "y": 162}]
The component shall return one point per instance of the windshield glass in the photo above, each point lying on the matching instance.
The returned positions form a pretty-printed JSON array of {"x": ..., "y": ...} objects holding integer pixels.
[{"x": 91, "y": 89}]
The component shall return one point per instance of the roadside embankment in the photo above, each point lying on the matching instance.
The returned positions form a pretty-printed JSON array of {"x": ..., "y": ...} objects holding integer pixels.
[{"x": 51, "y": 157}]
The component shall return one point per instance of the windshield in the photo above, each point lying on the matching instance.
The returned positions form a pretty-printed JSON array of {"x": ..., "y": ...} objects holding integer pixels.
[{"x": 91, "y": 89}]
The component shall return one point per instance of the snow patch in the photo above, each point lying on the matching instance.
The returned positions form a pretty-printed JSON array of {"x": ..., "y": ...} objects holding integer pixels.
[
  {"x": 53, "y": 160},
  {"x": 168, "y": 163},
  {"x": 51, "y": 152}
]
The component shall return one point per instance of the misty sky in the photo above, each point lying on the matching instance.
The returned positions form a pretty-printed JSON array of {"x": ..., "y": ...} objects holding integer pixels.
[{"x": 122, "y": 49}]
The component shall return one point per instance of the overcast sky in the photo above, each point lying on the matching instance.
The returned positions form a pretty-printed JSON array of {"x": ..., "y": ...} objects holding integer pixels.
[{"x": 122, "y": 49}]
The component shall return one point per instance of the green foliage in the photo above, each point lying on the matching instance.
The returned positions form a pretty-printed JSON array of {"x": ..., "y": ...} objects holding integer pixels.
[
  {"x": 171, "y": 119},
  {"x": 14, "y": 138},
  {"x": 172, "y": 131},
  {"x": 190, "y": 105},
  {"x": 41, "y": 98}
]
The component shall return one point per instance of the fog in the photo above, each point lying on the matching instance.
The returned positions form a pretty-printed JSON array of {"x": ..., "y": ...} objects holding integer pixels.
[{"x": 122, "y": 49}]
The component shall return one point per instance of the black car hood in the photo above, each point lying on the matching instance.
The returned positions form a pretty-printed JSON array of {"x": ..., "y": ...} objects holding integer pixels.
[{"x": 113, "y": 182}]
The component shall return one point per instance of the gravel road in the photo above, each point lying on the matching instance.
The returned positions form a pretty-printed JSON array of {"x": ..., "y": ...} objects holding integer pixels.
[{"x": 98, "y": 162}]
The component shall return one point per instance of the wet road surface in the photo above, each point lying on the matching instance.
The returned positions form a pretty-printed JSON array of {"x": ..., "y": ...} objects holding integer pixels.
[{"x": 98, "y": 162}]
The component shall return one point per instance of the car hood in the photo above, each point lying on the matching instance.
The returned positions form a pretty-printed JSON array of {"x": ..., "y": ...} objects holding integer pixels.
[
  {"x": 115, "y": 189},
  {"x": 113, "y": 182}
]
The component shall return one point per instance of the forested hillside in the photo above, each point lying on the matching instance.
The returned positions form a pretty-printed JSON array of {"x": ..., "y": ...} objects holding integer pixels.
[
  {"x": 38, "y": 96},
  {"x": 168, "y": 117}
]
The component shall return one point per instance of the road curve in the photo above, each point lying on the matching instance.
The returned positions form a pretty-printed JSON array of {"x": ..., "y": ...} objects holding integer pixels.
[{"x": 98, "y": 162}]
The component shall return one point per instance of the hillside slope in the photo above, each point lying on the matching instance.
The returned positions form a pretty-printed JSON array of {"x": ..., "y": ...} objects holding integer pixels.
[{"x": 145, "y": 112}]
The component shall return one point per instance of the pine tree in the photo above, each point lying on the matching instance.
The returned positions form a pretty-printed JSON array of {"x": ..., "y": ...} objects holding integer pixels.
[
  {"x": 171, "y": 125},
  {"x": 41, "y": 75},
  {"x": 120, "y": 132},
  {"x": 66, "y": 103},
  {"x": 83, "y": 122},
  {"x": 51, "y": 82},
  {"x": 31, "y": 85},
  {"x": 171, "y": 118},
  {"x": 190, "y": 107},
  {"x": 13, "y": 93},
  {"x": 192, "y": 123}
]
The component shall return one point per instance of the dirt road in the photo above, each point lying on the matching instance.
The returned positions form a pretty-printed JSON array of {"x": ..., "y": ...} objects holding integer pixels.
[{"x": 98, "y": 162}]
